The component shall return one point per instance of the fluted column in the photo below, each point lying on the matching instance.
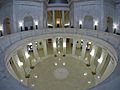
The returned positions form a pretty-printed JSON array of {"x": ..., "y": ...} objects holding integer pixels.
[
  {"x": 53, "y": 18},
  {"x": 93, "y": 54},
  {"x": 35, "y": 51},
  {"x": 64, "y": 45},
  {"x": 45, "y": 47},
  {"x": 83, "y": 50},
  {"x": 63, "y": 19},
  {"x": 19, "y": 68},
  {"x": 54, "y": 46},
  {"x": 103, "y": 59},
  {"x": 24, "y": 52},
  {"x": 74, "y": 47}
]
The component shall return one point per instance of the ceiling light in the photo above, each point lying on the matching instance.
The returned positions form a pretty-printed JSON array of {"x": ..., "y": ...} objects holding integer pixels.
[
  {"x": 85, "y": 74},
  {"x": 21, "y": 80},
  {"x": 89, "y": 82},
  {"x": 98, "y": 77},
  {"x": 55, "y": 64},
  {"x": 20, "y": 64},
  {"x": 100, "y": 60},
  {"x": 36, "y": 76},
  {"x": 64, "y": 64},
  {"x": 33, "y": 85}
]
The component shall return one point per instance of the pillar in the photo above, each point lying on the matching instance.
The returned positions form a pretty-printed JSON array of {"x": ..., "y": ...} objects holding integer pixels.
[
  {"x": 63, "y": 19},
  {"x": 74, "y": 47},
  {"x": 103, "y": 57},
  {"x": 83, "y": 50},
  {"x": 53, "y": 18},
  {"x": 45, "y": 47},
  {"x": 64, "y": 45}
]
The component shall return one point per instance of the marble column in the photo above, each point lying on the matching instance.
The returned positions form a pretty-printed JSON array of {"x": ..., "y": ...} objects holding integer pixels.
[
  {"x": 45, "y": 47},
  {"x": 103, "y": 59},
  {"x": 83, "y": 50},
  {"x": 74, "y": 47},
  {"x": 35, "y": 52},
  {"x": 64, "y": 45},
  {"x": 53, "y": 18},
  {"x": 54, "y": 46},
  {"x": 63, "y": 19}
]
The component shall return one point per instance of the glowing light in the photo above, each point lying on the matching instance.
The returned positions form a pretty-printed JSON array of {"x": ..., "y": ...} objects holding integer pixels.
[
  {"x": 36, "y": 22},
  {"x": 33, "y": 85},
  {"x": 55, "y": 64},
  {"x": 98, "y": 77},
  {"x": 21, "y": 80},
  {"x": 89, "y": 82},
  {"x": 35, "y": 76},
  {"x": 27, "y": 55},
  {"x": 21, "y": 23},
  {"x": 20, "y": 64},
  {"x": 49, "y": 24},
  {"x": 30, "y": 44},
  {"x": 64, "y": 64},
  {"x": 67, "y": 24},
  {"x": 64, "y": 44},
  {"x": 96, "y": 23},
  {"x": 115, "y": 26},
  {"x": 59, "y": 52},
  {"x": 1, "y": 27},
  {"x": 92, "y": 53},
  {"x": 54, "y": 45},
  {"x": 80, "y": 22},
  {"x": 89, "y": 42},
  {"x": 100, "y": 60},
  {"x": 85, "y": 74}
]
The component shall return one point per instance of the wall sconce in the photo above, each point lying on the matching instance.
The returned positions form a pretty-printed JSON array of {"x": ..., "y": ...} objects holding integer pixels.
[
  {"x": 115, "y": 26},
  {"x": 1, "y": 30},
  {"x": 21, "y": 25},
  {"x": 80, "y": 24},
  {"x": 95, "y": 24},
  {"x": 36, "y": 24}
]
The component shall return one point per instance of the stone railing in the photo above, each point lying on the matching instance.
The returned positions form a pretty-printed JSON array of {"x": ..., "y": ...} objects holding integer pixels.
[{"x": 7, "y": 82}]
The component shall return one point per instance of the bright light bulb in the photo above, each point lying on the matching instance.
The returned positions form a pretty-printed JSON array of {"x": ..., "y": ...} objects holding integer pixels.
[
  {"x": 20, "y": 64},
  {"x": 100, "y": 60},
  {"x": 36, "y": 76},
  {"x": 64, "y": 64},
  {"x": 85, "y": 74},
  {"x": 55, "y": 64},
  {"x": 21, "y": 80},
  {"x": 89, "y": 82},
  {"x": 27, "y": 55}
]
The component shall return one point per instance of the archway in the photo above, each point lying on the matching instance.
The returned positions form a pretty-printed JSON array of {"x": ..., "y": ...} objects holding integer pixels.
[
  {"x": 88, "y": 22},
  {"x": 6, "y": 26},
  {"x": 28, "y": 23},
  {"x": 109, "y": 24}
]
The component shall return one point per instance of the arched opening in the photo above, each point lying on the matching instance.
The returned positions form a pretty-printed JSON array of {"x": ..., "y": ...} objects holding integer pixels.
[
  {"x": 109, "y": 24},
  {"x": 88, "y": 22},
  {"x": 28, "y": 23},
  {"x": 6, "y": 26},
  {"x": 58, "y": 1}
]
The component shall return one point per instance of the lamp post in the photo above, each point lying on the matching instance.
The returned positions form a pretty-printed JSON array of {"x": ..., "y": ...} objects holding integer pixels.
[
  {"x": 114, "y": 28},
  {"x": 80, "y": 24},
  {"x": 95, "y": 24}
]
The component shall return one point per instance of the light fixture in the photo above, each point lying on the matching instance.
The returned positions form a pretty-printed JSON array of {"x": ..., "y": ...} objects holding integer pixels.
[
  {"x": 20, "y": 64},
  {"x": 21, "y": 80},
  {"x": 64, "y": 44},
  {"x": 115, "y": 26},
  {"x": 95, "y": 24},
  {"x": 89, "y": 82},
  {"x": 36, "y": 22},
  {"x": 35, "y": 76},
  {"x": 92, "y": 53},
  {"x": 32, "y": 85},
  {"x": 55, "y": 64},
  {"x": 85, "y": 74},
  {"x": 80, "y": 24},
  {"x": 64, "y": 63},
  {"x": 27, "y": 55},
  {"x": 1, "y": 27},
  {"x": 100, "y": 60},
  {"x": 21, "y": 23},
  {"x": 54, "y": 44},
  {"x": 59, "y": 52},
  {"x": 98, "y": 77}
]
